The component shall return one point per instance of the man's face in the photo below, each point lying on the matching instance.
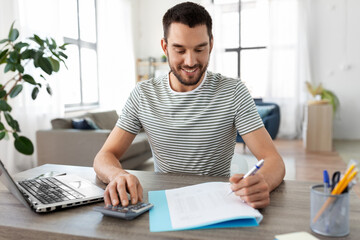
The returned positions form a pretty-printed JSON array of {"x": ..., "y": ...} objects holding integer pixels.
[{"x": 188, "y": 51}]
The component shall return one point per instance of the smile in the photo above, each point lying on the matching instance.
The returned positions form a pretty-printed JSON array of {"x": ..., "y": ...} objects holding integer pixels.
[{"x": 190, "y": 71}]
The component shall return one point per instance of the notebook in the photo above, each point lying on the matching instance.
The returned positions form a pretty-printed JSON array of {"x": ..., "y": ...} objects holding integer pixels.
[
  {"x": 52, "y": 193},
  {"x": 200, "y": 206}
]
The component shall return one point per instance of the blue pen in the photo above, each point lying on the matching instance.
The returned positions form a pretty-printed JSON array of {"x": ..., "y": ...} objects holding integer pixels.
[{"x": 326, "y": 182}]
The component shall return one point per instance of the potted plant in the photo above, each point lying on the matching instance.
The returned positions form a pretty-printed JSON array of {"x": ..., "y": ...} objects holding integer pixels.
[
  {"x": 44, "y": 54},
  {"x": 323, "y": 96}
]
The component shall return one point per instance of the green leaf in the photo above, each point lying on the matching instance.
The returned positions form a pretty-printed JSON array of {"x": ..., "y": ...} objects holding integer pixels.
[
  {"x": 15, "y": 135},
  {"x": 34, "y": 93},
  {"x": 63, "y": 55},
  {"x": 8, "y": 67},
  {"x": 11, "y": 122},
  {"x": 14, "y": 57},
  {"x": 20, "y": 68},
  {"x": 45, "y": 65},
  {"x": 49, "y": 90},
  {"x": 5, "y": 40},
  {"x": 15, "y": 126},
  {"x": 13, "y": 35},
  {"x": 38, "y": 40},
  {"x": 3, "y": 56},
  {"x": 8, "y": 119},
  {"x": 55, "y": 64},
  {"x": 53, "y": 43},
  {"x": 20, "y": 45},
  {"x": 2, "y": 135},
  {"x": 4, "y": 106},
  {"x": 2, "y": 127},
  {"x": 2, "y": 93},
  {"x": 28, "y": 53},
  {"x": 24, "y": 145},
  {"x": 17, "y": 89},
  {"x": 29, "y": 79}
]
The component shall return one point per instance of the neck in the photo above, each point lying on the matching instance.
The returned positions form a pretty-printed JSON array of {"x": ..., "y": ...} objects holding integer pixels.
[{"x": 177, "y": 86}]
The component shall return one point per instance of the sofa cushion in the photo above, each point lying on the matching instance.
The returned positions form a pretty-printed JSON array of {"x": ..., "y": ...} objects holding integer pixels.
[
  {"x": 84, "y": 124},
  {"x": 104, "y": 120},
  {"x": 61, "y": 123},
  {"x": 264, "y": 110}
]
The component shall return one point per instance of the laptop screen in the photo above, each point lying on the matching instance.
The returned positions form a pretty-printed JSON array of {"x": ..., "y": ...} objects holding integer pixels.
[{"x": 9, "y": 183}]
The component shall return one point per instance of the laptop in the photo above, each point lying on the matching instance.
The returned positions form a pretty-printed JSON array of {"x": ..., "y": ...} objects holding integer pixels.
[{"x": 52, "y": 193}]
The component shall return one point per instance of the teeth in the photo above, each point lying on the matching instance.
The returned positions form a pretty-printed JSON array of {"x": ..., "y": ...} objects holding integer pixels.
[{"x": 189, "y": 71}]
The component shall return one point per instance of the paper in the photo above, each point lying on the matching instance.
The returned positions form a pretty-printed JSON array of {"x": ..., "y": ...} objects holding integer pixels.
[{"x": 204, "y": 205}]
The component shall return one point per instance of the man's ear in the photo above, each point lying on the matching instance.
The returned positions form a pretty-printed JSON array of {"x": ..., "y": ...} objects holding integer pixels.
[{"x": 164, "y": 46}]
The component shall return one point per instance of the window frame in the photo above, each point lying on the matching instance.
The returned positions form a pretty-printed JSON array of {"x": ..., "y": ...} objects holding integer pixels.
[
  {"x": 89, "y": 45},
  {"x": 239, "y": 49}
]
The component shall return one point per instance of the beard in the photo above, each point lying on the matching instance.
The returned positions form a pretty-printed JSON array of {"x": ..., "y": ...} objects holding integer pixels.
[{"x": 191, "y": 81}]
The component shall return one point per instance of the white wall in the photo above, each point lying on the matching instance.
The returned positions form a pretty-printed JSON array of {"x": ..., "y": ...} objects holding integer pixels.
[{"x": 335, "y": 58}]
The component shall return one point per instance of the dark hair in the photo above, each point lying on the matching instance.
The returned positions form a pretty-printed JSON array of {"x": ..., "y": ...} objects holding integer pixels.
[{"x": 188, "y": 13}]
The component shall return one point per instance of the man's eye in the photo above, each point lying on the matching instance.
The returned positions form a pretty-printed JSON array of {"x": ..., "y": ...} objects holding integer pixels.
[
  {"x": 180, "y": 51},
  {"x": 199, "y": 50}
]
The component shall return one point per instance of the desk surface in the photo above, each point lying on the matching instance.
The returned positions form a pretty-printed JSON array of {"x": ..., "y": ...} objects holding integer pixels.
[{"x": 288, "y": 212}]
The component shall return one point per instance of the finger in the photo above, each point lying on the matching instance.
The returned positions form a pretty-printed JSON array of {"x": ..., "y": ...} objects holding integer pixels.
[
  {"x": 235, "y": 178},
  {"x": 245, "y": 183},
  {"x": 114, "y": 198},
  {"x": 107, "y": 198},
  {"x": 255, "y": 197},
  {"x": 131, "y": 184},
  {"x": 121, "y": 189},
  {"x": 140, "y": 192},
  {"x": 253, "y": 189},
  {"x": 260, "y": 204}
]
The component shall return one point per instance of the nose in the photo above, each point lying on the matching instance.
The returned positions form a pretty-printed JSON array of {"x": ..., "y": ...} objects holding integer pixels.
[{"x": 190, "y": 59}]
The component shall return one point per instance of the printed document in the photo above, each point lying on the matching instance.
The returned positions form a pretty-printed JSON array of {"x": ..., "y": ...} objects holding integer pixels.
[{"x": 206, "y": 203}]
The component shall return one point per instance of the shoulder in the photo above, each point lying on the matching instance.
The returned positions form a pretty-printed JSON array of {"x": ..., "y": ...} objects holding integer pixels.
[
  {"x": 221, "y": 81},
  {"x": 152, "y": 85}
]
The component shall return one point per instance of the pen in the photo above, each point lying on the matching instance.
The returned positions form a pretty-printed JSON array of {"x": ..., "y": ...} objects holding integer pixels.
[
  {"x": 339, "y": 188},
  {"x": 326, "y": 181},
  {"x": 252, "y": 171}
]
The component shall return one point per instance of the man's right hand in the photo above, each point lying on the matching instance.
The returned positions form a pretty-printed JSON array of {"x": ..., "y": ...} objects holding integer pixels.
[{"x": 119, "y": 186}]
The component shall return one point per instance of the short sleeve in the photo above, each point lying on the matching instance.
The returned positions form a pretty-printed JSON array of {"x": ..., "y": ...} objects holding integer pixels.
[
  {"x": 247, "y": 118},
  {"x": 129, "y": 118}
]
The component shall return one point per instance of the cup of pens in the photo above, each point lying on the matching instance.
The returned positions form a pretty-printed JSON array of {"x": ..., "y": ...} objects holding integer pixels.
[
  {"x": 334, "y": 219},
  {"x": 329, "y": 204}
]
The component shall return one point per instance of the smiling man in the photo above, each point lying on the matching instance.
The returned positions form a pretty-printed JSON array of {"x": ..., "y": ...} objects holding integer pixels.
[{"x": 191, "y": 116}]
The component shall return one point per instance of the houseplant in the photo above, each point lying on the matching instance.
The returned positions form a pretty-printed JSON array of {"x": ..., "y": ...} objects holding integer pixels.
[
  {"x": 322, "y": 95},
  {"x": 15, "y": 55}
]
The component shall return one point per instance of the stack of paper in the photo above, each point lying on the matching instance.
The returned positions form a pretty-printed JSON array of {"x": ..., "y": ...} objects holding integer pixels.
[{"x": 206, "y": 205}]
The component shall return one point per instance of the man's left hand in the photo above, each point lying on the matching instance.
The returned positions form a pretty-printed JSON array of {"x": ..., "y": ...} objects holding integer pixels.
[{"x": 254, "y": 190}]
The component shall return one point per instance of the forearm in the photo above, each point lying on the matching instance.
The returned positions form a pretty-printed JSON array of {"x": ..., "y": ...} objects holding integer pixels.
[
  {"x": 107, "y": 166},
  {"x": 273, "y": 171}
]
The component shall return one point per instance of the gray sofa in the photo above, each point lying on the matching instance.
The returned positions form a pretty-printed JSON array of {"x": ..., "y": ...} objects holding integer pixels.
[{"x": 63, "y": 144}]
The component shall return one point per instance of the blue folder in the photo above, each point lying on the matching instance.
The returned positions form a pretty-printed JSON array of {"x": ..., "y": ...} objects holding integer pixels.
[{"x": 160, "y": 217}]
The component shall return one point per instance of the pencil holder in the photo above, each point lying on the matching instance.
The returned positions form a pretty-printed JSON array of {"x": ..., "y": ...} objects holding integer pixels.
[{"x": 329, "y": 214}]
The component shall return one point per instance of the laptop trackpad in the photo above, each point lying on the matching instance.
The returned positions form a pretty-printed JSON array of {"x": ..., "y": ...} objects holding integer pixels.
[{"x": 81, "y": 185}]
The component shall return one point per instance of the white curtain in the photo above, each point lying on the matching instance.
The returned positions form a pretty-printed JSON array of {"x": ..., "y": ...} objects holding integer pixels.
[
  {"x": 36, "y": 16},
  {"x": 115, "y": 52}
]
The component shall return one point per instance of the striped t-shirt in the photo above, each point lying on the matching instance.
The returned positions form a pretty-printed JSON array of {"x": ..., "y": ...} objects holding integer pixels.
[{"x": 191, "y": 132}]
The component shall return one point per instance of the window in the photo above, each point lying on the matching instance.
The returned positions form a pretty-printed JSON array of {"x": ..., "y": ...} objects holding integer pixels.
[
  {"x": 244, "y": 37},
  {"x": 78, "y": 24}
]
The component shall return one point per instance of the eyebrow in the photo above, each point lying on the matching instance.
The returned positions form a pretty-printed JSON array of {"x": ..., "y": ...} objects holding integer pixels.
[{"x": 199, "y": 45}]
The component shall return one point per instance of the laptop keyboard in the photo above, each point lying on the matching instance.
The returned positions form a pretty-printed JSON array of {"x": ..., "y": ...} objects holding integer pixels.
[{"x": 50, "y": 190}]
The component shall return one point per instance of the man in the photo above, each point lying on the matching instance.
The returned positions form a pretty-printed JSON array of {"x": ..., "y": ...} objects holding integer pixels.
[{"x": 190, "y": 116}]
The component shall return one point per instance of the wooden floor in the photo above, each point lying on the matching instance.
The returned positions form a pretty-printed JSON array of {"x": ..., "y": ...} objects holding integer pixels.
[{"x": 309, "y": 166}]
